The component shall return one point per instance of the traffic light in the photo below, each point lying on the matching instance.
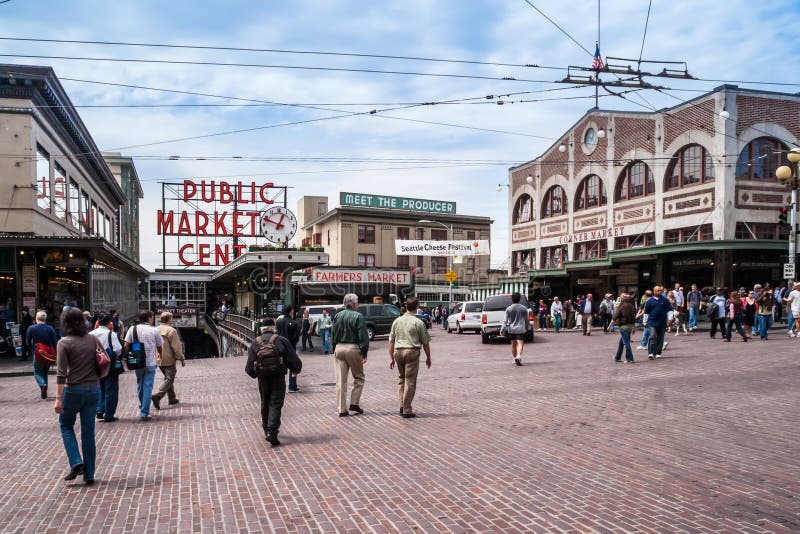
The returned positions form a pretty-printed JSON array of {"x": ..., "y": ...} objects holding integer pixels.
[{"x": 783, "y": 216}]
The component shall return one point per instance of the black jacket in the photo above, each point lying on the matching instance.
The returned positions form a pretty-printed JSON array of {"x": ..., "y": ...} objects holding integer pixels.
[
  {"x": 625, "y": 314},
  {"x": 288, "y": 328},
  {"x": 582, "y": 306},
  {"x": 285, "y": 349}
]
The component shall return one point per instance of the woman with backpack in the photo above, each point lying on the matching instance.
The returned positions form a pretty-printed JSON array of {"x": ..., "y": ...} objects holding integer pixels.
[{"x": 78, "y": 379}]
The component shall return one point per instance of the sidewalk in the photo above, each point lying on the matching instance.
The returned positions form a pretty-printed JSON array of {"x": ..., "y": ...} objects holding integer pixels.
[{"x": 10, "y": 367}]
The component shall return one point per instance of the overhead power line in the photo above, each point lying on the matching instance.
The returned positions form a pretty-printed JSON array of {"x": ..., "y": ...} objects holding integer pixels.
[{"x": 562, "y": 30}]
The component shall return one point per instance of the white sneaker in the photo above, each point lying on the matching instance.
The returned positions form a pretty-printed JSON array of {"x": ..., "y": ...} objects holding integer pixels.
[
  {"x": 518, "y": 360},
  {"x": 639, "y": 347},
  {"x": 650, "y": 356},
  {"x": 658, "y": 356},
  {"x": 665, "y": 345},
  {"x": 678, "y": 332}
]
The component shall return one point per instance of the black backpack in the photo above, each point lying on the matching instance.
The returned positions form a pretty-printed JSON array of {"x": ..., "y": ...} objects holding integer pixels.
[
  {"x": 136, "y": 357},
  {"x": 268, "y": 361}
]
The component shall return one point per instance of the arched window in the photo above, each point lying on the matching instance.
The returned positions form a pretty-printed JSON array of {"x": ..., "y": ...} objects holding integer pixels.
[
  {"x": 591, "y": 193},
  {"x": 760, "y": 158},
  {"x": 555, "y": 202},
  {"x": 635, "y": 181},
  {"x": 523, "y": 210},
  {"x": 692, "y": 165}
]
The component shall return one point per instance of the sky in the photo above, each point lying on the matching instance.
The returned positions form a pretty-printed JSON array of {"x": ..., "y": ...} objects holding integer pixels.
[{"x": 731, "y": 40}]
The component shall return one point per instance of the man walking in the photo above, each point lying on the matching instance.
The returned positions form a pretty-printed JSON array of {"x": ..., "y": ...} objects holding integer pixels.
[
  {"x": 658, "y": 311},
  {"x": 147, "y": 335},
  {"x": 607, "y": 309},
  {"x": 350, "y": 347},
  {"x": 307, "y": 331},
  {"x": 693, "y": 299},
  {"x": 624, "y": 318},
  {"x": 793, "y": 318},
  {"x": 588, "y": 309},
  {"x": 25, "y": 322},
  {"x": 287, "y": 327},
  {"x": 171, "y": 354},
  {"x": 516, "y": 326},
  {"x": 45, "y": 335},
  {"x": 407, "y": 337},
  {"x": 109, "y": 385},
  {"x": 324, "y": 326},
  {"x": 268, "y": 358}
]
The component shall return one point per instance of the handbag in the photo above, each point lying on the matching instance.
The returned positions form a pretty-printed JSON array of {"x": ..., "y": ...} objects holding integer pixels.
[
  {"x": 44, "y": 354},
  {"x": 136, "y": 357},
  {"x": 116, "y": 364},
  {"x": 102, "y": 359}
]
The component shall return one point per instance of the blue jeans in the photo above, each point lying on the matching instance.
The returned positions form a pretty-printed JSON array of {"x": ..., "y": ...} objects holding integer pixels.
[
  {"x": 763, "y": 322},
  {"x": 144, "y": 388},
  {"x": 790, "y": 320},
  {"x": 109, "y": 396},
  {"x": 624, "y": 343},
  {"x": 40, "y": 373},
  {"x": 656, "y": 340},
  {"x": 79, "y": 400},
  {"x": 326, "y": 340},
  {"x": 645, "y": 337},
  {"x": 693, "y": 313}
]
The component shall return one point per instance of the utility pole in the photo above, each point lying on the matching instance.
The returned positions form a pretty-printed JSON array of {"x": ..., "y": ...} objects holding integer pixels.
[{"x": 791, "y": 177}]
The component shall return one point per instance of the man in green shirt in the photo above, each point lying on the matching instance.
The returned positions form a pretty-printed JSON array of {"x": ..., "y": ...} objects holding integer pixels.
[
  {"x": 350, "y": 347},
  {"x": 407, "y": 337}
]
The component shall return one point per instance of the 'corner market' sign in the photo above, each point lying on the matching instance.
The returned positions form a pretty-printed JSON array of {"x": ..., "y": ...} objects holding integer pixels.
[{"x": 396, "y": 203}]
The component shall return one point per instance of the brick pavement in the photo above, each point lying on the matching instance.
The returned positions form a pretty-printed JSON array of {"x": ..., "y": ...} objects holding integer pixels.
[{"x": 704, "y": 440}]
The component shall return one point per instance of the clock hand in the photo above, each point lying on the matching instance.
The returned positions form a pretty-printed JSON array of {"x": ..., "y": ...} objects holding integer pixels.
[{"x": 280, "y": 224}]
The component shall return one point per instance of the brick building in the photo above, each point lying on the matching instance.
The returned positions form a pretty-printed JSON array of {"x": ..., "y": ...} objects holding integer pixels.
[{"x": 624, "y": 200}]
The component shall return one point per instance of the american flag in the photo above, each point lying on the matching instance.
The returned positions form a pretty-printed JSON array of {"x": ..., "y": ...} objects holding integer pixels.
[{"x": 597, "y": 62}]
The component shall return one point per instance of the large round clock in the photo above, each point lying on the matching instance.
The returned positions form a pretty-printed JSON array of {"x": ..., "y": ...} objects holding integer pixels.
[{"x": 278, "y": 225}]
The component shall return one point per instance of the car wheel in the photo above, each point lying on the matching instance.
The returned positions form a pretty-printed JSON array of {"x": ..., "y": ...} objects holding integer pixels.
[
  {"x": 484, "y": 338},
  {"x": 458, "y": 328},
  {"x": 370, "y": 333}
]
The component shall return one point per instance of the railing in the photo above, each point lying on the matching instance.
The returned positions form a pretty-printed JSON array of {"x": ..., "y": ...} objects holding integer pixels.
[{"x": 235, "y": 333}]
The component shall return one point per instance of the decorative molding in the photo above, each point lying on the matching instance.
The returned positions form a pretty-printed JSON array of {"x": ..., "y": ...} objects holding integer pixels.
[
  {"x": 689, "y": 203},
  {"x": 554, "y": 228},
  {"x": 588, "y": 222},
  {"x": 523, "y": 234},
  {"x": 640, "y": 212},
  {"x": 764, "y": 197}
]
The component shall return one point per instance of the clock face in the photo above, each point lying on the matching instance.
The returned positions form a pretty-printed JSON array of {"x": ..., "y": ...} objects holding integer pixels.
[
  {"x": 278, "y": 225},
  {"x": 590, "y": 138}
]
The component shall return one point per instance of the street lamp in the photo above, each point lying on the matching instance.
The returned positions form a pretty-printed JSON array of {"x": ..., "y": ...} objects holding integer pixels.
[
  {"x": 791, "y": 177},
  {"x": 450, "y": 228}
]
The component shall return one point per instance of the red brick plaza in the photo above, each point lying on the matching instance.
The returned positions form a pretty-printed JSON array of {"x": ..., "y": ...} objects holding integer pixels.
[{"x": 704, "y": 440}]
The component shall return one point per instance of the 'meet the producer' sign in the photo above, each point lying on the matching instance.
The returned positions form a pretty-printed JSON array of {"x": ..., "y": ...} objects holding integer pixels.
[
  {"x": 441, "y": 248},
  {"x": 396, "y": 203}
]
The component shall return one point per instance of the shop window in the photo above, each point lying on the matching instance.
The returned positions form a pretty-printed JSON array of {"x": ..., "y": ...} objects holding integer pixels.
[
  {"x": 555, "y": 202},
  {"x": 438, "y": 265},
  {"x": 43, "y": 189},
  {"x": 438, "y": 235},
  {"x": 329, "y": 238},
  {"x": 523, "y": 261},
  {"x": 470, "y": 265},
  {"x": 60, "y": 192},
  {"x": 420, "y": 233},
  {"x": 318, "y": 239},
  {"x": 523, "y": 210},
  {"x": 366, "y": 260},
  {"x": 635, "y": 181},
  {"x": 73, "y": 205},
  {"x": 590, "y": 194},
  {"x": 554, "y": 257},
  {"x": 591, "y": 250},
  {"x": 692, "y": 165},
  {"x": 94, "y": 219},
  {"x": 768, "y": 231},
  {"x": 471, "y": 235},
  {"x": 366, "y": 233},
  {"x": 420, "y": 261},
  {"x": 86, "y": 213},
  {"x": 403, "y": 262},
  {"x": 760, "y": 159},
  {"x": 108, "y": 227},
  {"x": 403, "y": 232},
  {"x": 691, "y": 233},
  {"x": 635, "y": 241}
]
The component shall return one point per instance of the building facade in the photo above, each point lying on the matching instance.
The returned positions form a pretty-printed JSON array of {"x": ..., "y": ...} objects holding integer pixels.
[
  {"x": 625, "y": 200},
  {"x": 60, "y": 241},
  {"x": 364, "y": 237}
]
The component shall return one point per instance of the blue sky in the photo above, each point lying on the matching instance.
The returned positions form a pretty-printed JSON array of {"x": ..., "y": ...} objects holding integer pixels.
[{"x": 736, "y": 39}]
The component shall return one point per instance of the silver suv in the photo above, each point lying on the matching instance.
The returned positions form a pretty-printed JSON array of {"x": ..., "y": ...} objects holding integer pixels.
[{"x": 494, "y": 314}]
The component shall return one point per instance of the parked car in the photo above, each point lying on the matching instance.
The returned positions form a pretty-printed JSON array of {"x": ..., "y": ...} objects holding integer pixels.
[
  {"x": 378, "y": 318},
  {"x": 465, "y": 316},
  {"x": 425, "y": 317},
  {"x": 494, "y": 314}
]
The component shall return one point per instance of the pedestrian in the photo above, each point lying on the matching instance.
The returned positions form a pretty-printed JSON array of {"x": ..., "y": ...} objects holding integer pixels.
[
  {"x": 407, "y": 338},
  {"x": 716, "y": 312},
  {"x": 625, "y": 319},
  {"x": 606, "y": 312},
  {"x": 677, "y": 314},
  {"x": 588, "y": 310},
  {"x": 42, "y": 340},
  {"x": 87, "y": 319},
  {"x": 734, "y": 316},
  {"x": 693, "y": 300},
  {"x": 307, "y": 330},
  {"x": 445, "y": 315},
  {"x": 516, "y": 326},
  {"x": 25, "y": 322},
  {"x": 146, "y": 335},
  {"x": 658, "y": 312},
  {"x": 793, "y": 317},
  {"x": 350, "y": 348},
  {"x": 171, "y": 354},
  {"x": 288, "y": 328},
  {"x": 556, "y": 312},
  {"x": 78, "y": 381},
  {"x": 569, "y": 314},
  {"x": 115, "y": 321},
  {"x": 578, "y": 315},
  {"x": 648, "y": 294},
  {"x": 324, "y": 326},
  {"x": 268, "y": 358},
  {"x": 780, "y": 293},
  {"x": 765, "y": 303},
  {"x": 680, "y": 300},
  {"x": 542, "y": 313},
  {"x": 749, "y": 313},
  {"x": 109, "y": 385}
]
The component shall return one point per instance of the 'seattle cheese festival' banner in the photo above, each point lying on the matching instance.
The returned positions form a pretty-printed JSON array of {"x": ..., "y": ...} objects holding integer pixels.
[{"x": 441, "y": 248}]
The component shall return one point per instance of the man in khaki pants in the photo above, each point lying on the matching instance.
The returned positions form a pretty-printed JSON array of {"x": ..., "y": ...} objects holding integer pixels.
[
  {"x": 407, "y": 337},
  {"x": 350, "y": 346},
  {"x": 171, "y": 354}
]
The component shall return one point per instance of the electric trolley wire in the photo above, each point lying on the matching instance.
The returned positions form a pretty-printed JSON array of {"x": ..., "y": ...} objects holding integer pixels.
[{"x": 559, "y": 27}]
